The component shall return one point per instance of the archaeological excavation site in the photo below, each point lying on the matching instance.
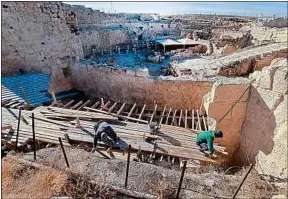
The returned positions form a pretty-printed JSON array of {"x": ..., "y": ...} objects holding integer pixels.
[{"x": 106, "y": 104}]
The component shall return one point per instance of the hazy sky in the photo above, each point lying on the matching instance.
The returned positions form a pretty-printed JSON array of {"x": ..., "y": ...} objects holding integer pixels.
[{"x": 236, "y": 8}]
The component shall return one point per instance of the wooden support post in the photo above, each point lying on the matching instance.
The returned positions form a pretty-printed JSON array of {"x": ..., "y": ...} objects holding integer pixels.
[
  {"x": 18, "y": 126},
  {"x": 102, "y": 102},
  {"x": 173, "y": 120},
  {"x": 132, "y": 109},
  {"x": 204, "y": 122},
  {"x": 179, "y": 124},
  {"x": 167, "y": 118},
  {"x": 185, "y": 118},
  {"x": 199, "y": 122},
  {"x": 33, "y": 131},
  {"x": 193, "y": 120},
  {"x": 142, "y": 111},
  {"x": 242, "y": 181},
  {"x": 95, "y": 105},
  {"x": 76, "y": 105},
  {"x": 112, "y": 107},
  {"x": 64, "y": 153},
  {"x": 127, "y": 168},
  {"x": 68, "y": 104},
  {"x": 105, "y": 106},
  {"x": 181, "y": 179},
  {"x": 25, "y": 96},
  {"x": 163, "y": 113},
  {"x": 85, "y": 104},
  {"x": 121, "y": 109},
  {"x": 154, "y": 111}
]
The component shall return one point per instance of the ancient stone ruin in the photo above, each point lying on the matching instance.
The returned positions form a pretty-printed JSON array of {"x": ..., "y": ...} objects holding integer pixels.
[{"x": 67, "y": 67}]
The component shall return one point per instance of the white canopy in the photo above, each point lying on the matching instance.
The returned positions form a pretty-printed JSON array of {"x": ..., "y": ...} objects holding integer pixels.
[{"x": 167, "y": 42}]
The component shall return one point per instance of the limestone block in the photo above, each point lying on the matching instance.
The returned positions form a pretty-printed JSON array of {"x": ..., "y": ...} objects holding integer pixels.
[
  {"x": 270, "y": 98},
  {"x": 231, "y": 93},
  {"x": 218, "y": 110},
  {"x": 239, "y": 111},
  {"x": 280, "y": 80},
  {"x": 229, "y": 126}
]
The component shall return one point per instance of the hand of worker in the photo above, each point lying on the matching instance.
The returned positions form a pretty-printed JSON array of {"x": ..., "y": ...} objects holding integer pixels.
[{"x": 93, "y": 149}]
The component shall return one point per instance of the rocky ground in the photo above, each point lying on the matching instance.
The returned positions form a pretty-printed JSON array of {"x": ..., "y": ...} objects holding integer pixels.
[{"x": 20, "y": 179}]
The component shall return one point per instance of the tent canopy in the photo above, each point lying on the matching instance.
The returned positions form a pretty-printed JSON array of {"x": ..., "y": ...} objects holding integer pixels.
[
  {"x": 186, "y": 41},
  {"x": 167, "y": 42}
]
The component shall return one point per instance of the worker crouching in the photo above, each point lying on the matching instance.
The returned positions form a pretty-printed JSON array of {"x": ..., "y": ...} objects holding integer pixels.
[{"x": 205, "y": 140}]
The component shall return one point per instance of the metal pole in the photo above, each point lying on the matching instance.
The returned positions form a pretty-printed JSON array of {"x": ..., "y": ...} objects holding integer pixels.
[
  {"x": 63, "y": 150},
  {"x": 34, "y": 142},
  {"x": 17, "y": 135},
  {"x": 128, "y": 163},
  {"x": 241, "y": 183},
  {"x": 181, "y": 179}
]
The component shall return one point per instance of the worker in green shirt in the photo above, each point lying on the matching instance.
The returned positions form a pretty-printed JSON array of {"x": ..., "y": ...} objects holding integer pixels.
[{"x": 205, "y": 140}]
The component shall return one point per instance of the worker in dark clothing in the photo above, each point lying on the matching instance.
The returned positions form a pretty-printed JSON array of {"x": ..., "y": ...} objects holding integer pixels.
[
  {"x": 105, "y": 133},
  {"x": 205, "y": 140}
]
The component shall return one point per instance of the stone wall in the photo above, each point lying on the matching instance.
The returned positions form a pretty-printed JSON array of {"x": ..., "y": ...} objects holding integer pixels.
[
  {"x": 262, "y": 35},
  {"x": 226, "y": 105},
  {"x": 130, "y": 87},
  {"x": 35, "y": 35},
  {"x": 264, "y": 135}
]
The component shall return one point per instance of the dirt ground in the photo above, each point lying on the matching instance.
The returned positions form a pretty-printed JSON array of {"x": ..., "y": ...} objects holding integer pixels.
[{"x": 25, "y": 181}]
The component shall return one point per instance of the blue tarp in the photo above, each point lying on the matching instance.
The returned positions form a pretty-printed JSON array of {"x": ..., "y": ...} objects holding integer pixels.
[{"x": 35, "y": 86}]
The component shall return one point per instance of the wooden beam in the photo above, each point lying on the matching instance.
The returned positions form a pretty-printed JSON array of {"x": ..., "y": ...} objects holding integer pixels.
[
  {"x": 180, "y": 118},
  {"x": 53, "y": 97},
  {"x": 112, "y": 107},
  {"x": 204, "y": 122},
  {"x": 76, "y": 105},
  {"x": 193, "y": 122},
  {"x": 154, "y": 111},
  {"x": 105, "y": 106},
  {"x": 163, "y": 113},
  {"x": 173, "y": 120},
  {"x": 85, "y": 104},
  {"x": 95, "y": 105},
  {"x": 198, "y": 123},
  {"x": 167, "y": 118},
  {"x": 121, "y": 109},
  {"x": 132, "y": 109},
  {"x": 142, "y": 111},
  {"x": 102, "y": 101},
  {"x": 185, "y": 118},
  {"x": 68, "y": 104}
]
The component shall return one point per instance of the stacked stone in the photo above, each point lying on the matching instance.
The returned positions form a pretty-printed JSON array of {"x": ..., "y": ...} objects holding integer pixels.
[{"x": 35, "y": 35}]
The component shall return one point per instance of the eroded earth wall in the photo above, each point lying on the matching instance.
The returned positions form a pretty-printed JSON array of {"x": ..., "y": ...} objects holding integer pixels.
[
  {"x": 40, "y": 37},
  {"x": 264, "y": 135},
  {"x": 131, "y": 87}
]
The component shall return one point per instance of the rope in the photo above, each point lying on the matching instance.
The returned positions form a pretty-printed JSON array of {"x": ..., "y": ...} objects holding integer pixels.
[{"x": 234, "y": 104}]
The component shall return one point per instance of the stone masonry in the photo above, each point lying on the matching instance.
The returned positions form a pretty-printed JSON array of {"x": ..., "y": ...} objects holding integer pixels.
[{"x": 37, "y": 34}]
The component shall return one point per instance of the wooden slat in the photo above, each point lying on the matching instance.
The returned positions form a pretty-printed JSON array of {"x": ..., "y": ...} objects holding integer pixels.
[
  {"x": 131, "y": 110},
  {"x": 193, "y": 120},
  {"x": 68, "y": 104},
  {"x": 105, "y": 106},
  {"x": 185, "y": 119},
  {"x": 163, "y": 113},
  {"x": 142, "y": 111},
  {"x": 154, "y": 111},
  {"x": 180, "y": 118},
  {"x": 112, "y": 107},
  {"x": 76, "y": 105},
  {"x": 198, "y": 123},
  {"x": 204, "y": 122},
  {"x": 173, "y": 120},
  {"x": 121, "y": 109},
  {"x": 85, "y": 104},
  {"x": 168, "y": 115}
]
